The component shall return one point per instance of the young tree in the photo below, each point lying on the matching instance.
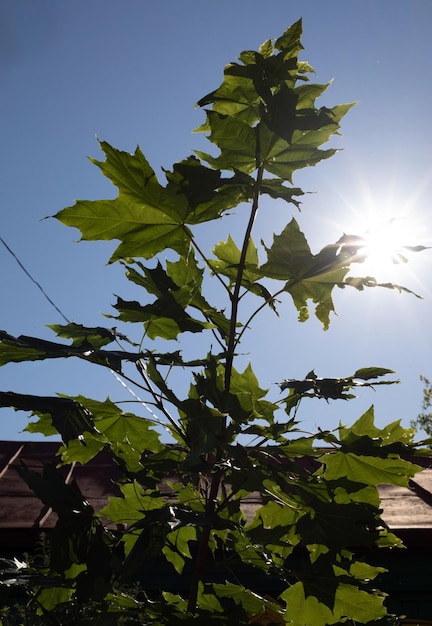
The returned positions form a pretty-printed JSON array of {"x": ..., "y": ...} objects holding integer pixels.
[
  {"x": 423, "y": 421},
  {"x": 180, "y": 508}
]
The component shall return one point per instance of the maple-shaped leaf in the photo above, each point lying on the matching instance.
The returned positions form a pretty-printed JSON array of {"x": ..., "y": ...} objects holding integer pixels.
[
  {"x": 246, "y": 148},
  {"x": 283, "y": 154},
  {"x": 348, "y": 600},
  {"x": 275, "y": 188},
  {"x": 236, "y": 141},
  {"x": 228, "y": 261},
  {"x": 307, "y": 276},
  {"x": 177, "y": 288},
  {"x": 147, "y": 217},
  {"x": 227, "y": 264},
  {"x": 246, "y": 85},
  {"x": 260, "y": 117}
]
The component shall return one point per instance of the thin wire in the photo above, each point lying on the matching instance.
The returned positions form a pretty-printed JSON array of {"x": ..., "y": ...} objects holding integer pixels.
[
  {"x": 133, "y": 394},
  {"x": 34, "y": 281},
  {"x": 146, "y": 406}
]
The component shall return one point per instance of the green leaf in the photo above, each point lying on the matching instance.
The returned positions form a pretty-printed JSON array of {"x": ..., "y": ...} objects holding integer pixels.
[
  {"x": 302, "y": 609},
  {"x": 308, "y": 276},
  {"x": 228, "y": 263},
  {"x": 188, "y": 277},
  {"x": 360, "y": 283},
  {"x": 348, "y": 601},
  {"x": 145, "y": 217},
  {"x": 70, "y": 418},
  {"x": 248, "y": 600},
  {"x": 135, "y": 502},
  {"x": 274, "y": 515},
  {"x": 229, "y": 256},
  {"x": 275, "y": 188},
  {"x": 332, "y": 388},
  {"x": 48, "y": 599},
  {"x": 178, "y": 287},
  {"x": 364, "y": 571},
  {"x": 202, "y": 425},
  {"x": 95, "y": 337},
  {"x": 126, "y": 435},
  {"x": 282, "y": 158},
  {"x": 236, "y": 97},
  {"x": 43, "y": 425},
  {"x": 245, "y": 148},
  {"x": 208, "y": 194},
  {"x": 236, "y": 141},
  {"x": 23, "y": 348},
  {"x": 308, "y": 93},
  {"x": 250, "y": 395},
  {"x": 391, "y": 434},
  {"x": 289, "y": 255},
  {"x": 74, "y": 451},
  {"x": 363, "y": 606},
  {"x": 176, "y": 548},
  {"x": 366, "y": 373},
  {"x": 164, "y": 318},
  {"x": 182, "y": 281},
  {"x": 290, "y": 41},
  {"x": 195, "y": 181},
  {"x": 339, "y": 526},
  {"x": 369, "y": 470},
  {"x": 208, "y": 600}
]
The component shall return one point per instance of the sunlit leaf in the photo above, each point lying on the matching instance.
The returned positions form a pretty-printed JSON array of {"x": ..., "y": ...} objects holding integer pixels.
[
  {"x": 177, "y": 549},
  {"x": 308, "y": 276},
  {"x": 348, "y": 600},
  {"x": 369, "y": 470}
]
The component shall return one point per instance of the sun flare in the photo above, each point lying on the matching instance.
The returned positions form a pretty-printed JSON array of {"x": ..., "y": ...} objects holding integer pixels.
[
  {"x": 386, "y": 234},
  {"x": 386, "y": 244}
]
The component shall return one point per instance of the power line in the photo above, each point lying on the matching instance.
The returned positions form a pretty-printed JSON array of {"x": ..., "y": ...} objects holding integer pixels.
[
  {"x": 34, "y": 281},
  {"x": 144, "y": 404}
]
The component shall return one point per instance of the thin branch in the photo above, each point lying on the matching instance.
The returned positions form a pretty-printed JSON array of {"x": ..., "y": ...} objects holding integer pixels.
[
  {"x": 206, "y": 261},
  {"x": 260, "y": 308},
  {"x": 213, "y": 331}
]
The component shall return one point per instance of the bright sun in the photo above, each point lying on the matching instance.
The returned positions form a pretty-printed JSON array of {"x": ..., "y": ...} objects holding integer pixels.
[
  {"x": 386, "y": 244},
  {"x": 385, "y": 230},
  {"x": 389, "y": 237}
]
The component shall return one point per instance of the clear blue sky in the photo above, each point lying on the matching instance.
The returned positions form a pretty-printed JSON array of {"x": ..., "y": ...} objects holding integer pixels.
[{"x": 130, "y": 73}]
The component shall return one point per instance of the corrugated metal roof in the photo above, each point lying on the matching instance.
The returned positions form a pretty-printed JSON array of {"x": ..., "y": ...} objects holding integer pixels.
[{"x": 403, "y": 508}]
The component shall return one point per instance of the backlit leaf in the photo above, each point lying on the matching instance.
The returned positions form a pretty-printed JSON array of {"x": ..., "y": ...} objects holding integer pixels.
[
  {"x": 308, "y": 276},
  {"x": 369, "y": 470},
  {"x": 349, "y": 600}
]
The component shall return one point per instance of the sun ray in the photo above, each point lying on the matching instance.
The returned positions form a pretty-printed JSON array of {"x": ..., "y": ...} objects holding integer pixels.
[{"x": 393, "y": 224}]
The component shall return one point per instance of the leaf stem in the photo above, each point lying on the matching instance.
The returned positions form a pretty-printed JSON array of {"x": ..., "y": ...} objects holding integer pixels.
[
  {"x": 260, "y": 308},
  {"x": 206, "y": 261}
]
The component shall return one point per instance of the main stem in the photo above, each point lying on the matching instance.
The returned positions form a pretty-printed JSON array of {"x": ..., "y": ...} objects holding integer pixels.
[
  {"x": 236, "y": 291},
  {"x": 201, "y": 558}
]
